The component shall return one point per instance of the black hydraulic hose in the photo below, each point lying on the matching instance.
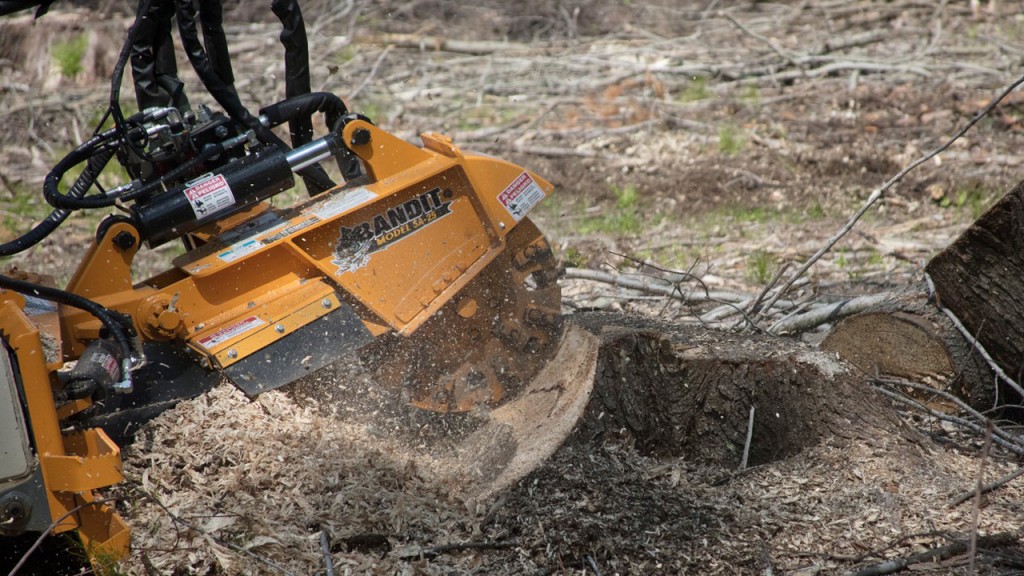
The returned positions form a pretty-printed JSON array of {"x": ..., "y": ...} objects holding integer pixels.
[
  {"x": 92, "y": 147},
  {"x": 222, "y": 92},
  {"x": 122, "y": 61},
  {"x": 304, "y": 106},
  {"x": 118, "y": 324},
  {"x": 182, "y": 170},
  {"x": 154, "y": 67},
  {"x": 211, "y": 18},
  {"x": 85, "y": 180},
  {"x": 12, "y": 6},
  {"x": 314, "y": 176},
  {"x": 296, "y": 64}
]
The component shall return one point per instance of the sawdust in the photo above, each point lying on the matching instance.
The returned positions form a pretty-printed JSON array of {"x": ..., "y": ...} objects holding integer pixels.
[{"x": 268, "y": 475}]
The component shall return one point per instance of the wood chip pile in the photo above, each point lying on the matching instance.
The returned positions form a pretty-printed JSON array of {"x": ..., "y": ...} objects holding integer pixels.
[{"x": 257, "y": 481}]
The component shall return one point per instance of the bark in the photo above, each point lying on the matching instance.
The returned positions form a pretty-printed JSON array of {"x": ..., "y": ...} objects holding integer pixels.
[{"x": 980, "y": 278}]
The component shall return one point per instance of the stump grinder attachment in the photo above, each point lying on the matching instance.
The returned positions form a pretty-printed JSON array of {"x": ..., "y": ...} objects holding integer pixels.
[{"x": 423, "y": 257}]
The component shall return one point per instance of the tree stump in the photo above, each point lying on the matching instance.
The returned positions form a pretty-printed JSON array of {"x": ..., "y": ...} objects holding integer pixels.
[{"x": 687, "y": 392}]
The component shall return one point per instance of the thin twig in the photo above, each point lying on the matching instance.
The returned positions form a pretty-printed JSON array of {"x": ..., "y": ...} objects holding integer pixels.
[
  {"x": 325, "y": 549},
  {"x": 972, "y": 551},
  {"x": 371, "y": 74},
  {"x": 974, "y": 342},
  {"x": 754, "y": 306},
  {"x": 903, "y": 399},
  {"x": 750, "y": 436},
  {"x": 656, "y": 286},
  {"x": 760, "y": 38},
  {"x": 934, "y": 554},
  {"x": 968, "y": 494},
  {"x": 35, "y": 545},
  {"x": 879, "y": 192},
  {"x": 186, "y": 524},
  {"x": 981, "y": 418}
]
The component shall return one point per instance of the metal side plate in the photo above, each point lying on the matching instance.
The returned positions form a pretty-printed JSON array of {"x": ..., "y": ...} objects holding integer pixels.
[{"x": 300, "y": 353}]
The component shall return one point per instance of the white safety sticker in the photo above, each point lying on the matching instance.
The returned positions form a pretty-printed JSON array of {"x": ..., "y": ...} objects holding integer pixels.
[
  {"x": 229, "y": 332},
  {"x": 521, "y": 196},
  {"x": 209, "y": 194},
  {"x": 343, "y": 202},
  {"x": 239, "y": 250}
]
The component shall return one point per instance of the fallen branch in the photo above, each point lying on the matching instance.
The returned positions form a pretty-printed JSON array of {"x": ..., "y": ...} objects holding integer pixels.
[
  {"x": 935, "y": 554},
  {"x": 1014, "y": 447},
  {"x": 968, "y": 494},
  {"x": 653, "y": 286},
  {"x": 662, "y": 287},
  {"x": 440, "y": 44},
  {"x": 999, "y": 432},
  {"x": 879, "y": 192},
  {"x": 828, "y": 313}
]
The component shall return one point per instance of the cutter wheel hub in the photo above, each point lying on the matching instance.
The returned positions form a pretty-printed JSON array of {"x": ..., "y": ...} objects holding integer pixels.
[{"x": 490, "y": 340}]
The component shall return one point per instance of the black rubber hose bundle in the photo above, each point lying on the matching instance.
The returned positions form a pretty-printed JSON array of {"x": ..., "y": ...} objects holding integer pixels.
[
  {"x": 154, "y": 68},
  {"x": 85, "y": 180},
  {"x": 296, "y": 64},
  {"x": 304, "y": 106},
  {"x": 119, "y": 325},
  {"x": 314, "y": 176}
]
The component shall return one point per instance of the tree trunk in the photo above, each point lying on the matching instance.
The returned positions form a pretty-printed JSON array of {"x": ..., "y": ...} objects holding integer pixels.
[{"x": 980, "y": 278}]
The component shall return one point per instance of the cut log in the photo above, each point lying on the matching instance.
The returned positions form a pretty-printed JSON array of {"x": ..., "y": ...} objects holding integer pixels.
[
  {"x": 980, "y": 278},
  {"x": 908, "y": 337}
]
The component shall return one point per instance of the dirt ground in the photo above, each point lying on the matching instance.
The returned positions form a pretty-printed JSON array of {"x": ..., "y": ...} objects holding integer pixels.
[{"x": 721, "y": 138}]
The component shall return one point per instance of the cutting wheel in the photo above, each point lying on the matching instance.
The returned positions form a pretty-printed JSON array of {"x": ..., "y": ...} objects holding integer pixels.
[{"x": 490, "y": 340}]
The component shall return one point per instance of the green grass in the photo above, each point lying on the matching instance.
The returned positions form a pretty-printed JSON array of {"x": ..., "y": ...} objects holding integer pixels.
[
  {"x": 345, "y": 55},
  {"x": 68, "y": 55},
  {"x": 375, "y": 110},
  {"x": 731, "y": 140},
  {"x": 975, "y": 198},
  {"x": 696, "y": 89},
  {"x": 23, "y": 209},
  {"x": 761, "y": 266},
  {"x": 750, "y": 94},
  {"x": 574, "y": 257},
  {"x": 624, "y": 218}
]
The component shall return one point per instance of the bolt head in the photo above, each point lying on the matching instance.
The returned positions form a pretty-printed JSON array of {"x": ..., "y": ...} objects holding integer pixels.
[
  {"x": 360, "y": 137},
  {"x": 124, "y": 240}
]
